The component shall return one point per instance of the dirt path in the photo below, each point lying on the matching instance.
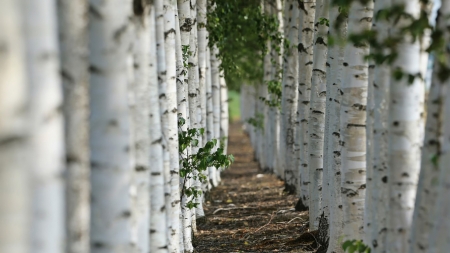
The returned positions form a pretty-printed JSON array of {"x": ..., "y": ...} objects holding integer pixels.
[{"x": 249, "y": 212}]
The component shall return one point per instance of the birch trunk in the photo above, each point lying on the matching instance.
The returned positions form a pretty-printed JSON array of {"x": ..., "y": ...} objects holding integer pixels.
[
  {"x": 268, "y": 120},
  {"x": 316, "y": 124},
  {"x": 75, "y": 78},
  {"x": 47, "y": 140},
  {"x": 427, "y": 189},
  {"x": 215, "y": 82},
  {"x": 170, "y": 124},
  {"x": 353, "y": 119},
  {"x": 431, "y": 199},
  {"x": 202, "y": 45},
  {"x": 158, "y": 220},
  {"x": 305, "y": 51},
  {"x": 141, "y": 173},
  {"x": 406, "y": 122},
  {"x": 195, "y": 110},
  {"x": 282, "y": 147},
  {"x": 224, "y": 112},
  {"x": 210, "y": 113},
  {"x": 333, "y": 153},
  {"x": 439, "y": 240},
  {"x": 276, "y": 75},
  {"x": 185, "y": 28},
  {"x": 15, "y": 192},
  {"x": 382, "y": 74},
  {"x": 110, "y": 129},
  {"x": 290, "y": 105}
]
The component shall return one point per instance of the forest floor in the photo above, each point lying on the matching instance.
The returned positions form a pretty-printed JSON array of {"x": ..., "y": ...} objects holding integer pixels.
[{"x": 249, "y": 212}]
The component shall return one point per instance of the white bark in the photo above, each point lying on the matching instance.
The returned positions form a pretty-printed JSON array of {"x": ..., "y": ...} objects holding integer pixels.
[
  {"x": 427, "y": 189},
  {"x": 15, "y": 189},
  {"x": 281, "y": 158},
  {"x": 185, "y": 28},
  {"x": 333, "y": 152},
  {"x": 158, "y": 223},
  {"x": 224, "y": 112},
  {"x": 47, "y": 140},
  {"x": 431, "y": 196},
  {"x": 380, "y": 197},
  {"x": 210, "y": 113},
  {"x": 215, "y": 82},
  {"x": 195, "y": 110},
  {"x": 170, "y": 119},
  {"x": 316, "y": 124},
  {"x": 305, "y": 50},
  {"x": 353, "y": 118},
  {"x": 290, "y": 96},
  {"x": 406, "y": 124},
  {"x": 141, "y": 174},
  {"x": 439, "y": 239},
  {"x": 110, "y": 129},
  {"x": 74, "y": 72},
  {"x": 267, "y": 158}
]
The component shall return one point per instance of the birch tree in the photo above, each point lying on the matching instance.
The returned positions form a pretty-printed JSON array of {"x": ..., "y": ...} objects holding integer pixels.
[
  {"x": 316, "y": 124},
  {"x": 382, "y": 73},
  {"x": 158, "y": 221},
  {"x": 439, "y": 237},
  {"x": 75, "y": 77},
  {"x": 405, "y": 123},
  {"x": 432, "y": 181},
  {"x": 215, "y": 81},
  {"x": 305, "y": 51},
  {"x": 185, "y": 28},
  {"x": 140, "y": 189},
  {"x": 194, "y": 96},
  {"x": 46, "y": 127},
  {"x": 332, "y": 133},
  {"x": 15, "y": 190},
  {"x": 170, "y": 124},
  {"x": 352, "y": 122},
  {"x": 290, "y": 95}
]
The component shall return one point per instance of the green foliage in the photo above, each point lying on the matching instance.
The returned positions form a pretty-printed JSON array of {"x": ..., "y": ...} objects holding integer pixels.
[
  {"x": 186, "y": 53},
  {"x": 357, "y": 246},
  {"x": 194, "y": 165},
  {"x": 241, "y": 31},
  {"x": 257, "y": 121}
]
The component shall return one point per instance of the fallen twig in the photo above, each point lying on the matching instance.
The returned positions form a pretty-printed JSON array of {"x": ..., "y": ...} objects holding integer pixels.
[{"x": 232, "y": 208}]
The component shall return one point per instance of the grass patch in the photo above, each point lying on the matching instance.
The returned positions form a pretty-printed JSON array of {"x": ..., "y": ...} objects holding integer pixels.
[{"x": 234, "y": 105}]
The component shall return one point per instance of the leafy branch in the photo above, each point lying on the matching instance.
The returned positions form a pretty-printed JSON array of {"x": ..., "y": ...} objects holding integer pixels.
[{"x": 193, "y": 166}]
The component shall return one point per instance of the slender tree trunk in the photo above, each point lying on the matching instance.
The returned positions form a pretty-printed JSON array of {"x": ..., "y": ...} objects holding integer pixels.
[
  {"x": 268, "y": 120},
  {"x": 47, "y": 140},
  {"x": 170, "y": 124},
  {"x": 185, "y": 28},
  {"x": 283, "y": 116},
  {"x": 439, "y": 214},
  {"x": 210, "y": 113},
  {"x": 15, "y": 190},
  {"x": 353, "y": 119},
  {"x": 195, "y": 110},
  {"x": 427, "y": 190},
  {"x": 291, "y": 98},
  {"x": 141, "y": 173},
  {"x": 75, "y": 76},
  {"x": 158, "y": 221},
  {"x": 305, "y": 50},
  {"x": 406, "y": 123},
  {"x": 380, "y": 84},
  {"x": 431, "y": 199},
  {"x": 224, "y": 117},
  {"x": 215, "y": 81},
  {"x": 316, "y": 124},
  {"x": 333, "y": 153}
]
